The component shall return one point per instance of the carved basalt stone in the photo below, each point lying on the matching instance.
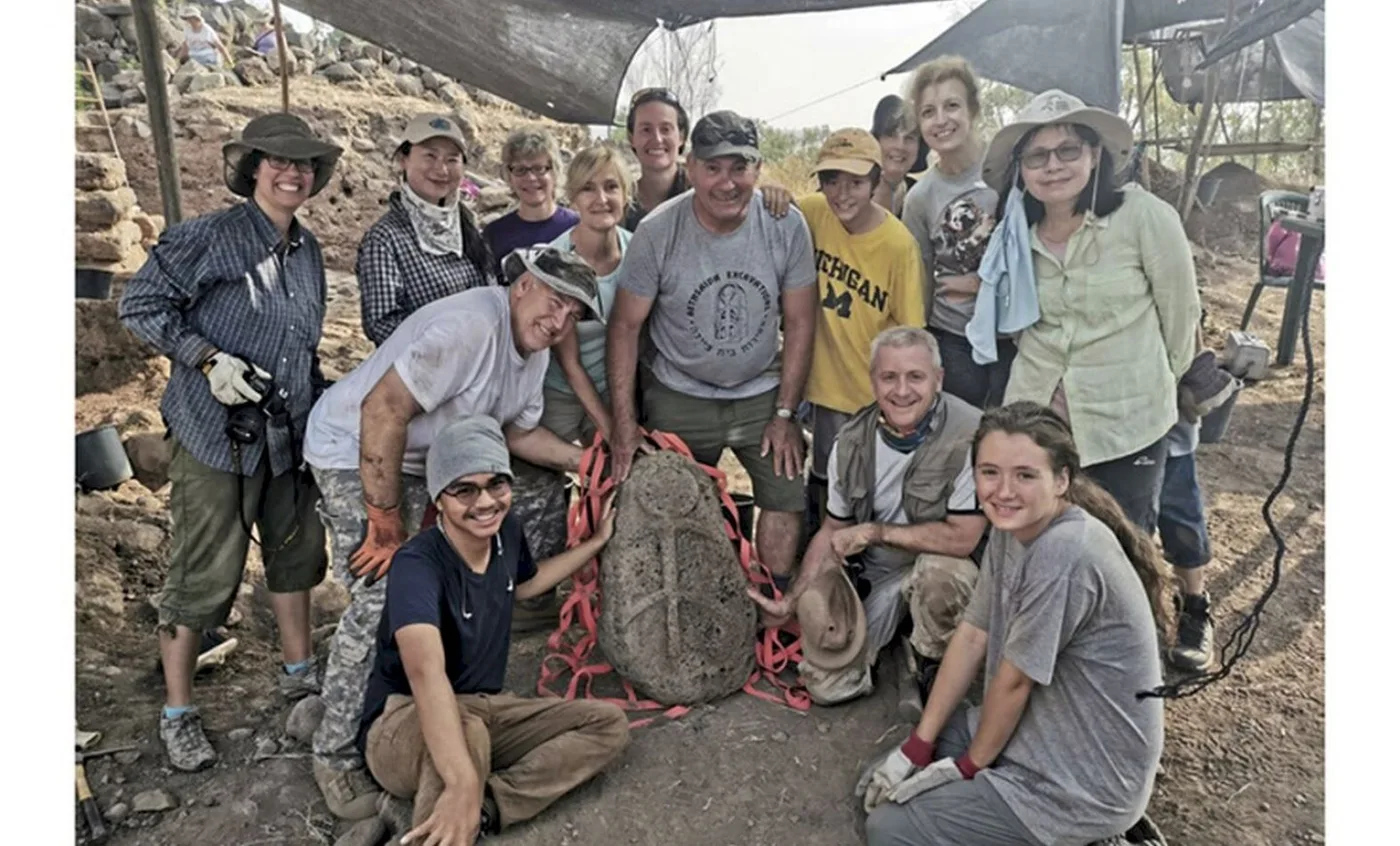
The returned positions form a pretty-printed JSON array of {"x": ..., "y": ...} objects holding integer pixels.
[{"x": 674, "y": 618}]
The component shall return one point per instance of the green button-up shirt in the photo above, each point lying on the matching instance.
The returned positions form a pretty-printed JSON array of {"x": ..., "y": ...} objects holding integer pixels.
[{"x": 1118, "y": 320}]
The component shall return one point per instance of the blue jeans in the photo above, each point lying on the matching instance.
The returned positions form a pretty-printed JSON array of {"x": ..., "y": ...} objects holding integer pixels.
[
  {"x": 982, "y": 385},
  {"x": 1182, "y": 521}
]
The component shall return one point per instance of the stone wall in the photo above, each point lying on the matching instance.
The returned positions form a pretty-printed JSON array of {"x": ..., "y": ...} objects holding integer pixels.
[{"x": 112, "y": 230}]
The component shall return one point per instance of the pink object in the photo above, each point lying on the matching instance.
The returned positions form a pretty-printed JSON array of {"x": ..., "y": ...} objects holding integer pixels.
[{"x": 1281, "y": 252}]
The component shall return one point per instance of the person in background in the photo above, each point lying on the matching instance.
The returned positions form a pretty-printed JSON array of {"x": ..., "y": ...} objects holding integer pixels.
[
  {"x": 202, "y": 44},
  {"x": 951, "y": 212},
  {"x": 265, "y": 42},
  {"x": 1063, "y": 624},
  {"x": 657, "y": 126},
  {"x": 530, "y": 161},
  {"x": 236, "y": 299},
  {"x": 869, "y": 277},
  {"x": 897, "y": 131},
  {"x": 1116, "y": 284},
  {"x": 426, "y": 246}
]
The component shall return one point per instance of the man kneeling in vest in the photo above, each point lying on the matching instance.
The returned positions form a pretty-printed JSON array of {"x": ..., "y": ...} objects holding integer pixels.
[
  {"x": 436, "y": 727},
  {"x": 902, "y": 508}
]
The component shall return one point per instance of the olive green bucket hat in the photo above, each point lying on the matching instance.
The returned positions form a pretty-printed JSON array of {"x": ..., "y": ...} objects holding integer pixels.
[{"x": 277, "y": 134}]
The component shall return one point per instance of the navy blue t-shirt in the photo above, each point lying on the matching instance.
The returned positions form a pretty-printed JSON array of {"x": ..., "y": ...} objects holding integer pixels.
[{"x": 430, "y": 583}]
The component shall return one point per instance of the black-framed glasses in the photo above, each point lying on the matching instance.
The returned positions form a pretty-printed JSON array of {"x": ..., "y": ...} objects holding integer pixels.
[
  {"x": 1067, "y": 152},
  {"x": 537, "y": 171},
  {"x": 468, "y": 492},
  {"x": 282, "y": 163}
]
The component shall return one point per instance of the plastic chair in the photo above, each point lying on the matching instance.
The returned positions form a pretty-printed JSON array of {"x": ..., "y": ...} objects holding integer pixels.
[{"x": 1272, "y": 204}]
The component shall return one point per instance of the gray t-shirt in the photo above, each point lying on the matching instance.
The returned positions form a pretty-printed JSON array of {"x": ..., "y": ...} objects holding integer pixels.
[
  {"x": 923, "y": 214},
  {"x": 718, "y": 298},
  {"x": 1069, "y": 612}
]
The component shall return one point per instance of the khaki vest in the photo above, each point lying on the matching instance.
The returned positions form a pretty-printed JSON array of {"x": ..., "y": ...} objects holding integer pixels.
[{"x": 929, "y": 478}]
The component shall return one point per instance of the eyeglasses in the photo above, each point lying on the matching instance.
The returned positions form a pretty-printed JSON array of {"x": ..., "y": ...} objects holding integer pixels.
[
  {"x": 467, "y": 492},
  {"x": 537, "y": 171},
  {"x": 1066, "y": 153},
  {"x": 280, "y": 163}
]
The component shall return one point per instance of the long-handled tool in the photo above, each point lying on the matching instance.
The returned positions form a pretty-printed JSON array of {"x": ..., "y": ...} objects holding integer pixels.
[{"x": 97, "y": 826}]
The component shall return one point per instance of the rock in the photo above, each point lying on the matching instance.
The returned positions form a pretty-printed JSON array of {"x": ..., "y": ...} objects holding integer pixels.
[
  {"x": 94, "y": 51},
  {"x": 111, "y": 95},
  {"x": 341, "y": 72},
  {"x": 230, "y": 78},
  {"x": 150, "y": 454},
  {"x": 367, "y": 832},
  {"x": 393, "y": 65},
  {"x": 351, "y": 50},
  {"x": 94, "y": 24},
  {"x": 126, "y": 27},
  {"x": 239, "y": 735},
  {"x": 128, "y": 78},
  {"x": 186, "y": 72},
  {"x": 267, "y": 747},
  {"x": 205, "y": 82},
  {"x": 254, "y": 72},
  {"x": 409, "y": 84},
  {"x": 111, "y": 671},
  {"x": 117, "y": 812},
  {"x": 97, "y": 210},
  {"x": 106, "y": 70},
  {"x": 432, "y": 81},
  {"x": 128, "y": 757},
  {"x": 134, "y": 97},
  {"x": 408, "y": 65},
  {"x": 363, "y": 145},
  {"x": 305, "y": 718},
  {"x": 365, "y": 67},
  {"x": 171, "y": 36},
  {"x": 674, "y": 619},
  {"x": 372, "y": 53},
  {"x": 110, "y": 245},
  {"x": 98, "y": 171},
  {"x": 244, "y": 807},
  {"x": 302, "y": 53},
  {"x": 779, "y": 737},
  {"x": 209, "y": 133},
  {"x": 153, "y": 801}
]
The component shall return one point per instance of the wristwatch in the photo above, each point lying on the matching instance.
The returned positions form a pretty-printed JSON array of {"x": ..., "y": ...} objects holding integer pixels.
[{"x": 783, "y": 413}]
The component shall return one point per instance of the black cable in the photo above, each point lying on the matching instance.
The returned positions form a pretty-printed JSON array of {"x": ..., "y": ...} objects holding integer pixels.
[{"x": 1242, "y": 637}]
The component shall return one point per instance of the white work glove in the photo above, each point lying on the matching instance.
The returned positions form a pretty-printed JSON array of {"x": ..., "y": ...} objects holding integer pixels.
[
  {"x": 226, "y": 379},
  {"x": 940, "y": 772},
  {"x": 875, "y": 785}
]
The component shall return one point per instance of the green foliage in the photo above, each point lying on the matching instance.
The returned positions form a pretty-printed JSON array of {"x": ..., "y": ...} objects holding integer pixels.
[{"x": 82, "y": 88}]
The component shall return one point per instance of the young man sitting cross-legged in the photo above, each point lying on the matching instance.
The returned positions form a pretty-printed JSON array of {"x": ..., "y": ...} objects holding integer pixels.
[{"x": 436, "y": 728}]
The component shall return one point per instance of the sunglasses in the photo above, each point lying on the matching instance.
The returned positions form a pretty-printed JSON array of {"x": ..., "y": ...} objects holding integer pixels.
[
  {"x": 1067, "y": 152},
  {"x": 538, "y": 171},
  {"x": 467, "y": 492},
  {"x": 708, "y": 135},
  {"x": 655, "y": 95},
  {"x": 280, "y": 163}
]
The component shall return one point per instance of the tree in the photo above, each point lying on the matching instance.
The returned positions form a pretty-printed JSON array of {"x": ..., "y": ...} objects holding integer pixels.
[{"x": 684, "y": 60}]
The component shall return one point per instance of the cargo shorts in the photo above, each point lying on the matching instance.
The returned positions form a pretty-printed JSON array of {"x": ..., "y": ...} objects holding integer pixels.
[
  {"x": 709, "y": 425},
  {"x": 209, "y": 543}
]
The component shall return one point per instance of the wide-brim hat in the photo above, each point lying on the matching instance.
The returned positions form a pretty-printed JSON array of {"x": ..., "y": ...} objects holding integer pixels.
[
  {"x": 832, "y": 618},
  {"x": 278, "y": 134},
  {"x": 565, "y": 272},
  {"x": 1054, "y": 107}
]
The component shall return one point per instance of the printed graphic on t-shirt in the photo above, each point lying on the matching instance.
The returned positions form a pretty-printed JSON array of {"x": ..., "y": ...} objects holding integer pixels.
[
  {"x": 842, "y": 283},
  {"x": 728, "y": 312}
]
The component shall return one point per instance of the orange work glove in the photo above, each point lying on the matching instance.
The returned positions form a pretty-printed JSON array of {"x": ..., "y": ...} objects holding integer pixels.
[{"x": 383, "y": 535}]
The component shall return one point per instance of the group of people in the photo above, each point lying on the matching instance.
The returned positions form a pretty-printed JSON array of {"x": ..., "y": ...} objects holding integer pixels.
[{"x": 988, "y": 346}]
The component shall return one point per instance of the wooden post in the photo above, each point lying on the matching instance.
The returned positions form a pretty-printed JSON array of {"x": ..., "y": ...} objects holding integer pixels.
[
  {"x": 1191, "y": 177},
  {"x": 282, "y": 55},
  {"x": 1317, "y": 142},
  {"x": 1145, "y": 176},
  {"x": 158, "y": 107}
]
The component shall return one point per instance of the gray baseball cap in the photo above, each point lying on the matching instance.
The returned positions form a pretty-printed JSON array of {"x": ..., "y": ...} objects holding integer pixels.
[
  {"x": 467, "y": 446},
  {"x": 563, "y": 271},
  {"x": 725, "y": 133}
]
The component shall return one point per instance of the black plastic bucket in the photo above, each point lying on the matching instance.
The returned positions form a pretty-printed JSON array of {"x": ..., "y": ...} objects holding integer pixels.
[
  {"x": 744, "y": 504},
  {"x": 101, "y": 459},
  {"x": 93, "y": 284},
  {"x": 1215, "y": 424}
]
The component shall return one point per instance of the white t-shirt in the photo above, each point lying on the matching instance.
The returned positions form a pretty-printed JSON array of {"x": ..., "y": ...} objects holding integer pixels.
[
  {"x": 457, "y": 357},
  {"x": 203, "y": 44},
  {"x": 888, "y": 501}
]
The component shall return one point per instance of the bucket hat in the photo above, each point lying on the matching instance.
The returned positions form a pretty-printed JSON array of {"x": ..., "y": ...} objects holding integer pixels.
[
  {"x": 427, "y": 126},
  {"x": 851, "y": 150},
  {"x": 278, "y": 134},
  {"x": 191, "y": 12},
  {"x": 1054, "y": 107},
  {"x": 563, "y": 271},
  {"x": 833, "y": 621}
]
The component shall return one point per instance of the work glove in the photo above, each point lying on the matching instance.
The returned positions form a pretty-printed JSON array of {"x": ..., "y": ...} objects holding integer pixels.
[
  {"x": 876, "y": 783},
  {"x": 227, "y": 379},
  {"x": 940, "y": 772},
  {"x": 384, "y": 534}
]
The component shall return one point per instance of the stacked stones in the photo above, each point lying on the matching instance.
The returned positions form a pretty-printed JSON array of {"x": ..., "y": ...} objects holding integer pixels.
[{"x": 112, "y": 231}]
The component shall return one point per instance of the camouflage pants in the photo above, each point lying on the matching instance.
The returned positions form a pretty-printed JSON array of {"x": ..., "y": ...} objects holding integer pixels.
[
  {"x": 540, "y": 499},
  {"x": 353, "y": 647}
]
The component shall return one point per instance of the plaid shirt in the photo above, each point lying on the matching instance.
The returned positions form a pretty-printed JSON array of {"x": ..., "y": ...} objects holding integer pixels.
[
  {"x": 397, "y": 277},
  {"x": 222, "y": 282}
]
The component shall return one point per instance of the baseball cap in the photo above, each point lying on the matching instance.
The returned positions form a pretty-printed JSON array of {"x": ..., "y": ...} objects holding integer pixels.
[
  {"x": 725, "y": 133},
  {"x": 467, "y": 446},
  {"x": 565, "y": 272},
  {"x": 851, "y": 150},
  {"x": 427, "y": 126}
]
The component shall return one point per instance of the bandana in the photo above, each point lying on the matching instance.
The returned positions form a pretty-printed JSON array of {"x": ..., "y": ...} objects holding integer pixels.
[
  {"x": 908, "y": 443},
  {"x": 438, "y": 228}
]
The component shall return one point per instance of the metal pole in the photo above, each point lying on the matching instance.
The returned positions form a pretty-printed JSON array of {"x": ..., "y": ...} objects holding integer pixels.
[
  {"x": 153, "y": 69},
  {"x": 281, "y": 54}
]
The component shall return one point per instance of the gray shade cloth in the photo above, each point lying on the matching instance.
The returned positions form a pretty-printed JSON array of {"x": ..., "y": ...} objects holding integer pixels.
[
  {"x": 1283, "y": 65},
  {"x": 468, "y": 446},
  {"x": 528, "y": 51}
]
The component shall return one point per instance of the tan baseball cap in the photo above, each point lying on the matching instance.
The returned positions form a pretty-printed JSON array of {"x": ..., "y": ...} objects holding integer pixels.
[
  {"x": 427, "y": 126},
  {"x": 851, "y": 149}
]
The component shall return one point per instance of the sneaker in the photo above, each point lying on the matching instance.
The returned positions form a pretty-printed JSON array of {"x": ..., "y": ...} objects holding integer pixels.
[
  {"x": 534, "y": 615},
  {"x": 1195, "y": 634},
  {"x": 295, "y": 686},
  {"x": 350, "y": 794},
  {"x": 185, "y": 743}
]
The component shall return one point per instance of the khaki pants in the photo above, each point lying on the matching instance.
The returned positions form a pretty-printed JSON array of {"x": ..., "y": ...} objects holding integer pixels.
[{"x": 535, "y": 750}]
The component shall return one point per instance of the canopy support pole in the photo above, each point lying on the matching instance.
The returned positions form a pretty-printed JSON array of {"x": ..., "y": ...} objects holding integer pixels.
[{"x": 158, "y": 107}]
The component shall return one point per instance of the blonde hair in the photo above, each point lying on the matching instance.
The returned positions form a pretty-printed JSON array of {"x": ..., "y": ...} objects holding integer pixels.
[
  {"x": 590, "y": 161},
  {"x": 528, "y": 142},
  {"x": 939, "y": 70}
]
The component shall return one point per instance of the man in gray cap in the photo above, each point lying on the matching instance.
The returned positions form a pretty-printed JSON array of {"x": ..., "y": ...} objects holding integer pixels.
[
  {"x": 717, "y": 276},
  {"x": 435, "y": 720},
  {"x": 480, "y": 351}
]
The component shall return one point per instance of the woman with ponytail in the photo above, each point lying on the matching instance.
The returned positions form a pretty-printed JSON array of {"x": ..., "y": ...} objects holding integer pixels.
[{"x": 1062, "y": 622}]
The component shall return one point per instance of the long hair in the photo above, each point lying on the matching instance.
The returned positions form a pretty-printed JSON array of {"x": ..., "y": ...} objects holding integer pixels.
[
  {"x": 1049, "y": 431},
  {"x": 1102, "y": 194},
  {"x": 474, "y": 246}
]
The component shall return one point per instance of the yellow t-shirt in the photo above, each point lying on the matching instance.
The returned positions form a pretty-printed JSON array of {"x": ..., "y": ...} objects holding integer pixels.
[{"x": 865, "y": 284}]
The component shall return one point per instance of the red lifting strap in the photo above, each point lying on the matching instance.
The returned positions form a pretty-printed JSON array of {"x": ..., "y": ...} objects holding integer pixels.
[{"x": 570, "y": 651}]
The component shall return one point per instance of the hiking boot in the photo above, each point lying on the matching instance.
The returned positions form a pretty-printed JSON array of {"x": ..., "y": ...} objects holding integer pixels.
[
  {"x": 350, "y": 794},
  {"x": 1195, "y": 634},
  {"x": 911, "y": 706},
  {"x": 1205, "y": 386},
  {"x": 185, "y": 743},
  {"x": 294, "y": 686},
  {"x": 534, "y": 615}
]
